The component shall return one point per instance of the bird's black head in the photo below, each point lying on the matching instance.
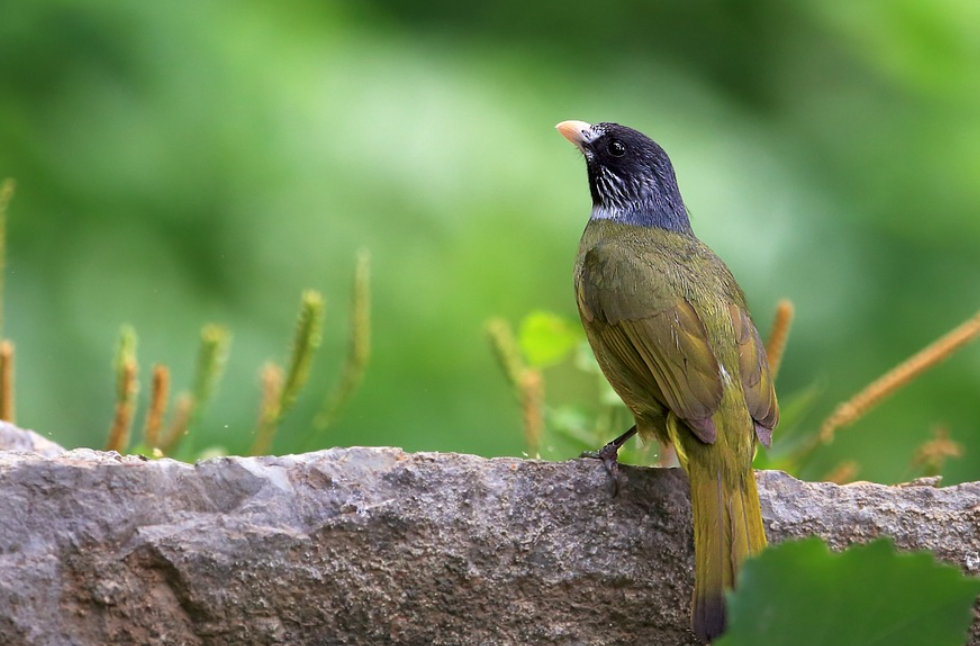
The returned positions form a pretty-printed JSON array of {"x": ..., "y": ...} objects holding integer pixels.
[{"x": 630, "y": 176}]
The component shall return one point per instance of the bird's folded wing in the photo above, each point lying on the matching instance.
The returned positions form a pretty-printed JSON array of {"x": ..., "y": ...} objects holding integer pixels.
[
  {"x": 661, "y": 333},
  {"x": 760, "y": 395}
]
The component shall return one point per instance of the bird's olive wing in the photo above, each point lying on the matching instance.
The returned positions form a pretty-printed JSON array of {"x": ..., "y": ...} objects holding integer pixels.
[
  {"x": 649, "y": 327},
  {"x": 760, "y": 395}
]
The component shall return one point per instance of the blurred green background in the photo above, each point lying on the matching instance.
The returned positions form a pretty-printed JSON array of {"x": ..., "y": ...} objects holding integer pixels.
[{"x": 184, "y": 162}]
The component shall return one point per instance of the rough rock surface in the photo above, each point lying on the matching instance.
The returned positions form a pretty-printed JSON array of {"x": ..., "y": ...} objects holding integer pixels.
[
  {"x": 376, "y": 546},
  {"x": 18, "y": 439}
]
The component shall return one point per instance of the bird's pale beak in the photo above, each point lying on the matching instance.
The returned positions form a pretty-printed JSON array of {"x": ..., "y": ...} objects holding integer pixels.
[{"x": 577, "y": 132}]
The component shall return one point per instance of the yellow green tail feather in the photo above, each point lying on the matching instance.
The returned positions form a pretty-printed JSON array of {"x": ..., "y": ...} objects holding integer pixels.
[{"x": 727, "y": 524}]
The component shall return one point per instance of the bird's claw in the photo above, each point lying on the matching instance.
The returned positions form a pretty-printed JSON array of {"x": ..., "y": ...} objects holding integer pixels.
[{"x": 608, "y": 454}]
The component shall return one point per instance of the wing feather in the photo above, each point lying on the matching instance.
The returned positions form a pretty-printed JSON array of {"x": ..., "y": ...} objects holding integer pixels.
[
  {"x": 646, "y": 334},
  {"x": 760, "y": 395}
]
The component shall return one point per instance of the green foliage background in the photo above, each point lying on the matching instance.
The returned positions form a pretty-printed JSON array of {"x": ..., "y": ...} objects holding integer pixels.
[{"x": 185, "y": 162}]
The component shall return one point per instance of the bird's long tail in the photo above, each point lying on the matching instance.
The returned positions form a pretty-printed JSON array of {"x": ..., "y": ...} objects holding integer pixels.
[{"x": 727, "y": 528}]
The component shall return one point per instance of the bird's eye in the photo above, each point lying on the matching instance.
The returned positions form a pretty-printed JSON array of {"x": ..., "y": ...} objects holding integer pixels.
[{"x": 617, "y": 148}]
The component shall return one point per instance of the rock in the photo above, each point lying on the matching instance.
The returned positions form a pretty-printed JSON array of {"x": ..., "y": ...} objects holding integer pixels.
[
  {"x": 18, "y": 439},
  {"x": 377, "y": 546}
]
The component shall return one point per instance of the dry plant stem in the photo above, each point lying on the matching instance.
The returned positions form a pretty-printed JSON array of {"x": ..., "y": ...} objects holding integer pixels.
[
  {"x": 270, "y": 411},
  {"x": 358, "y": 346},
  {"x": 7, "y": 381},
  {"x": 6, "y": 194},
  {"x": 183, "y": 411},
  {"x": 843, "y": 473},
  {"x": 778, "y": 336},
  {"x": 855, "y": 408},
  {"x": 505, "y": 350},
  {"x": 532, "y": 404},
  {"x": 126, "y": 388},
  {"x": 6, "y": 347},
  {"x": 931, "y": 457},
  {"x": 159, "y": 393},
  {"x": 126, "y": 404}
]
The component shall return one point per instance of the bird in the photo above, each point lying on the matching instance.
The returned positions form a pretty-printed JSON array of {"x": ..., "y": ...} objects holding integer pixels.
[{"x": 671, "y": 330}]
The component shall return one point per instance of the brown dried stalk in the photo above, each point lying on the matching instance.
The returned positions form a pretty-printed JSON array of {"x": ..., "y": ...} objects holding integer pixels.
[
  {"x": 852, "y": 410},
  {"x": 505, "y": 349},
  {"x": 125, "y": 405},
  {"x": 6, "y": 347},
  {"x": 124, "y": 365},
  {"x": 532, "y": 405},
  {"x": 931, "y": 457},
  {"x": 159, "y": 393},
  {"x": 843, "y": 472},
  {"x": 7, "y": 381},
  {"x": 183, "y": 411},
  {"x": 778, "y": 335},
  {"x": 6, "y": 194},
  {"x": 270, "y": 409}
]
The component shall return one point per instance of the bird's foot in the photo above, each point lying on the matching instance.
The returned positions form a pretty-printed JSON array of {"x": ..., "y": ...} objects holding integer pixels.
[{"x": 609, "y": 454}]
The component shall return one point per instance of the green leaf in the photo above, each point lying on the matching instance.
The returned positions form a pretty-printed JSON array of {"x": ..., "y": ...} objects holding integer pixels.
[
  {"x": 546, "y": 339},
  {"x": 802, "y": 594}
]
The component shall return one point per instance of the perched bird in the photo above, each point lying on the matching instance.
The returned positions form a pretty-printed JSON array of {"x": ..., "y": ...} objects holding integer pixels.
[{"x": 670, "y": 329}]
